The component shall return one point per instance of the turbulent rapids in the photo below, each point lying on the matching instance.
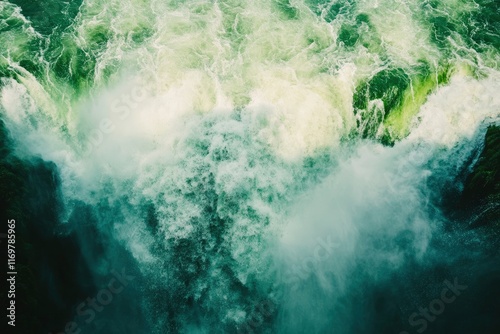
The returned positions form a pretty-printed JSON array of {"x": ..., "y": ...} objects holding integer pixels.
[{"x": 266, "y": 166}]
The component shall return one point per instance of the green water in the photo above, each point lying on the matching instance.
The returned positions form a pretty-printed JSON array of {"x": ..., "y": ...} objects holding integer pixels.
[{"x": 217, "y": 141}]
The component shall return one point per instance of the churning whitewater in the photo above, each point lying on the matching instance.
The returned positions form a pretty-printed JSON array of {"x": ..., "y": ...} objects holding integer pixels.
[{"x": 266, "y": 166}]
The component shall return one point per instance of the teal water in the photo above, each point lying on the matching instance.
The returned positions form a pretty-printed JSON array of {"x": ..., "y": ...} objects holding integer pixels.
[{"x": 220, "y": 143}]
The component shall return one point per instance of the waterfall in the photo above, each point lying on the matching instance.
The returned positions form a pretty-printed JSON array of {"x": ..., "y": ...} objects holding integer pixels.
[{"x": 266, "y": 166}]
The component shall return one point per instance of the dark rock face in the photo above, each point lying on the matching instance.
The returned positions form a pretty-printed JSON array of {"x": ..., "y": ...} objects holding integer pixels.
[
  {"x": 46, "y": 263},
  {"x": 56, "y": 261},
  {"x": 481, "y": 194}
]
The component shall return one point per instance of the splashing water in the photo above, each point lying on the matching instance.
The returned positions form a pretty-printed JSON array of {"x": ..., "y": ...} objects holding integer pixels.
[{"x": 249, "y": 134}]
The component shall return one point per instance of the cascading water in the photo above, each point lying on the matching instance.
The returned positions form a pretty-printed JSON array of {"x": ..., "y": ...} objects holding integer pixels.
[{"x": 261, "y": 166}]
